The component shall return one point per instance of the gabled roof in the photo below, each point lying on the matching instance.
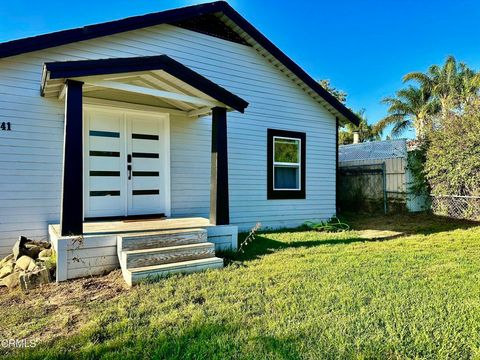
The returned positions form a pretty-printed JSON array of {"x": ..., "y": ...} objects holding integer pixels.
[
  {"x": 219, "y": 8},
  {"x": 81, "y": 68}
]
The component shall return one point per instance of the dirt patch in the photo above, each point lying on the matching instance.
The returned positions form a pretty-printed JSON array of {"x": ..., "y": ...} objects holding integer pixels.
[
  {"x": 379, "y": 234},
  {"x": 54, "y": 310}
]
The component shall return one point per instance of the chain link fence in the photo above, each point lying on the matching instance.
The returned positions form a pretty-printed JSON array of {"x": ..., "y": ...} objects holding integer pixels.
[{"x": 459, "y": 207}]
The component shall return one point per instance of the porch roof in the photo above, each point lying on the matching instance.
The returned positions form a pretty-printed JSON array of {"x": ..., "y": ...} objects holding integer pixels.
[{"x": 160, "y": 77}]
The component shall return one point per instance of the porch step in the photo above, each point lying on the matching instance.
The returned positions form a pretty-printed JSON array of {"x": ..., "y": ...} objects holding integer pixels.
[
  {"x": 161, "y": 253},
  {"x": 167, "y": 255},
  {"x": 166, "y": 238},
  {"x": 135, "y": 275}
]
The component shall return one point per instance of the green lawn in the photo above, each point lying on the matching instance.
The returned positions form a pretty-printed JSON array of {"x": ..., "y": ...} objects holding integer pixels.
[{"x": 397, "y": 287}]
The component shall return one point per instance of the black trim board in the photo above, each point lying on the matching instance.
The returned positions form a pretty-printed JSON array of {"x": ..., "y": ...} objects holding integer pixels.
[
  {"x": 286, "y": 194},
  {"x": 79, "y": 68},
  {"x": 40, "y": 42},
  {"x": 219, "y": 198},
  {"x": 72, "y": 179}
]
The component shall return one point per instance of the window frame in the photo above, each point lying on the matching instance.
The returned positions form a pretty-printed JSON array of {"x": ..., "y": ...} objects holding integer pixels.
[
  {"x": 287, "y": 164},
  {"x": 272, "y": 192}
]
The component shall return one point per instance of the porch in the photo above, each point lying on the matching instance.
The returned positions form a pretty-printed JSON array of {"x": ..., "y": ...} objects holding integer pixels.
[
  {"x": 96, "y": 251},
  {"x": 117, "y": 124}
]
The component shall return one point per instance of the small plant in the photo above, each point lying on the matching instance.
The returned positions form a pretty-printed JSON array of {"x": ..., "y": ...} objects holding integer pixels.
[
  {"x": 250, "y": 237},
  {"x": 332, "y": 225}
]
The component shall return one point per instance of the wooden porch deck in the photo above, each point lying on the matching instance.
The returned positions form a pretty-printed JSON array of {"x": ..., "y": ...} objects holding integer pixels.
[{"x": 95, "y": 228}]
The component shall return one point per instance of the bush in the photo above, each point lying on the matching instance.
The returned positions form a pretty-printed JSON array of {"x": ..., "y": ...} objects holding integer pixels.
[{"x": 453, "y": 155}]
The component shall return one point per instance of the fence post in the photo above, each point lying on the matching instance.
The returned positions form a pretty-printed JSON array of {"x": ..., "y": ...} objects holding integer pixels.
[{"x": 384, "y": 173}]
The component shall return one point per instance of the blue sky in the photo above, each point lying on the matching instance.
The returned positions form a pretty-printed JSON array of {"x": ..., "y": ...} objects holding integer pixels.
[{"x": 363, "y": 47}]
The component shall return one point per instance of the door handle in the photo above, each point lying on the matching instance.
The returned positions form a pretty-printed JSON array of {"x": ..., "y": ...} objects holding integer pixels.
[
  {"x": 129, "y": 158},
  {"x": 129, "y": 171}
]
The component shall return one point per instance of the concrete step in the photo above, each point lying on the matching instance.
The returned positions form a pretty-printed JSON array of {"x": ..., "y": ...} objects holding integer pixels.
[
  {"x": 135, "y": 275},
  {"x": 159, "y": 239},
  {"x": 167, "y": 255}
]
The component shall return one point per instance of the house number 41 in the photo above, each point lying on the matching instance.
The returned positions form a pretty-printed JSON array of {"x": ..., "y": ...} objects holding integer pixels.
[{"x": 5, "y": 126}]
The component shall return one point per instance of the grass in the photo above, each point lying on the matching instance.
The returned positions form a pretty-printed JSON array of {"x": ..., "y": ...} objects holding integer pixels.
[{"x": 405, "y": 286}]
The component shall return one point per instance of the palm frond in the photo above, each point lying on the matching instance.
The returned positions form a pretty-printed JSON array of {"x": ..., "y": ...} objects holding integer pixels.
[
  {"x": 422, "y": 79},
  {"x": 400, "y": 127},
  {"x": 390, "y": 120}
]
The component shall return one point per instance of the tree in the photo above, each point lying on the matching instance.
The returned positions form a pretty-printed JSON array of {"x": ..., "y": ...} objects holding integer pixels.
[
  {"x": 454, "y": 85},
  {"x": 339, "y": 94},
  {"x": 439, "y": 92},
  {"x": 410, "y": 108},
  {"x": 453, "y": 155},
  {"x": 365, "y": 131}
]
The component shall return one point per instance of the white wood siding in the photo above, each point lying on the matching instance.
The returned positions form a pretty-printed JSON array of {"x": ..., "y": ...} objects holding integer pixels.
[{"x": 31, "y": 153}]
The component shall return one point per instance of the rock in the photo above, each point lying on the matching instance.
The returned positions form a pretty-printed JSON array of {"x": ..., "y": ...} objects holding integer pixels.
[
  {"x": 32, "y": 266},
  {"x": 7, "y": 259},
  {"x": 19, "y": 247},
  {"x": 42, "y": 244},
  {"x": 45, "y": 253},
  {"x": 33, "y": 279},
  {"x": 11, "y": 280},
  {"x": 24, "y": 262},
  {"x": 29, "y": 247},
  {"x": 32, "y": 250},
  {"x": 6, "y": 269}
]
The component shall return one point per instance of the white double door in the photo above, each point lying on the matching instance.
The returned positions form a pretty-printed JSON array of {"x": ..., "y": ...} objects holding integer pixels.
[{"x": 126, "y": 163}]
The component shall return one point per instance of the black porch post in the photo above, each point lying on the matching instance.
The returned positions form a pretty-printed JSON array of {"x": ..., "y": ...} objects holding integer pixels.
[
  {"x": 219, "y": 205},
  {"x": 72, "y": 189}
]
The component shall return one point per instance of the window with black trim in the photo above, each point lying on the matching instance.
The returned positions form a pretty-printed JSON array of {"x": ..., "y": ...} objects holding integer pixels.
[{"x": 286, "y": 164}]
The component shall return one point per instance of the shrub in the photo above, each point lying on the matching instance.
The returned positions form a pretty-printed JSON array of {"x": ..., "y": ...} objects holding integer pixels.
[{"x": 453, "y": 155}]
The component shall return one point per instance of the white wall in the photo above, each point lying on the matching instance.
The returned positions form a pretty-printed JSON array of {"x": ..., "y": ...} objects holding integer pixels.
[
  {"x": 31, "y": 153},
  {"x": 190, "y": 166}
]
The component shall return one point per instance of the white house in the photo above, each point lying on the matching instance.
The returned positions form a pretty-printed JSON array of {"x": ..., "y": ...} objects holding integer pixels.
[{"x": 189, "y": 114}]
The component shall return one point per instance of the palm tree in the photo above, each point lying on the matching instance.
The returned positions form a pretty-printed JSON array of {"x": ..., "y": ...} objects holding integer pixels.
[
  {"x": 366, "y": 132},
  {"x": 443, "y": 90},
  {"x": 410, "y": 108},
  {"x": 452, "y": 84},
  {"x": 470, "y": 86}
]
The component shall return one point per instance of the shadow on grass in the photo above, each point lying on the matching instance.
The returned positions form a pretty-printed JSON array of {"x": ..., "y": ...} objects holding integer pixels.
[
  {"x": 263, "y": 245},
  {"x": 388, "y": 227},
  {"x": 406, "y": 223}
]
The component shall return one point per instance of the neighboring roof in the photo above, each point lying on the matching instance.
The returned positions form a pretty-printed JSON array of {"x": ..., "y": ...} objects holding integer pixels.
[
  {"x": 413, "y": 144},
  {"x": 40, "y": 42},
  {"x": 373, "y": 150},
  {"x": 79, "y": 68}
]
